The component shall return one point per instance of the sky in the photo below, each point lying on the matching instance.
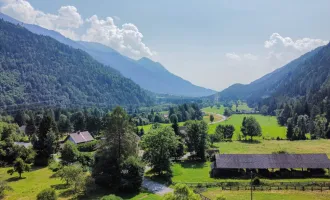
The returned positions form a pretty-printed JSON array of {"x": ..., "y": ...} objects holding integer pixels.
[{"x": 211, "y": 43}]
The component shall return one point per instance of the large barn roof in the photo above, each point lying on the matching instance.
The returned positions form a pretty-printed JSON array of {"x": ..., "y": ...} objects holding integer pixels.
[{"x": 268, "y": 161}]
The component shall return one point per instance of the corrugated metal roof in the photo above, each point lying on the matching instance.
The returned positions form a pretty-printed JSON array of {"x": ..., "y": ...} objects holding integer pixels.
[{"x": 268, "y": 161}]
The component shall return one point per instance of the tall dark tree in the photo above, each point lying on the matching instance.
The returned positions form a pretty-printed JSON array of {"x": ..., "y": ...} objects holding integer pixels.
[
  {"x": 196, "y": 137},
  {"x": 120, "y": 143}
]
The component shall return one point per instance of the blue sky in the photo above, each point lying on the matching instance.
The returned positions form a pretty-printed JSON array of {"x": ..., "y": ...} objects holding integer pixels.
[{"x": 210, "y": 43}]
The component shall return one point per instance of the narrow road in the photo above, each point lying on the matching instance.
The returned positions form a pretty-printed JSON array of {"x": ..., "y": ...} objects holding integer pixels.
[{"x": 155, "y": 187}]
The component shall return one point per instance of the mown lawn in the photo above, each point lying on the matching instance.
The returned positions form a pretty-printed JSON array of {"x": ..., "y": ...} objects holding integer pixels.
[
  {"x": 269, "y": 126},
  {"x": 269, "y": 195},
  {"x": 32, "y": 183},
  {"x": 38, "y": 179}
]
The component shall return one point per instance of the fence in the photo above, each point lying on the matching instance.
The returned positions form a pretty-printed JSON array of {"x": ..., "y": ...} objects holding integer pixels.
[{"x": 302, "y": 186}]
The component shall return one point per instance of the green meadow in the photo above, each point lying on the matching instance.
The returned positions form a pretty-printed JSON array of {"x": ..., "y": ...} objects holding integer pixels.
[
  {"x": 38, "y": 179},
  {"x": 267, "y": 195},
  {"x": 214, "y": 109},
  {"x": 269, "y": 126}
]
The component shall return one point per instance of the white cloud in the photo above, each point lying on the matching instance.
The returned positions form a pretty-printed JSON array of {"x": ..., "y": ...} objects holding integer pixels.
[
  {"x": 246, "y": 56},
  {"x": 250, "y": 56},
  {"x": 233, "y": 56},
  {"x": 303, "y": 45},
  {"x": 126, "y": 39}
]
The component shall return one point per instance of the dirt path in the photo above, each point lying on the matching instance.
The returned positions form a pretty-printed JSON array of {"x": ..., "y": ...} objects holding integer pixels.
[
  {"x": 223, "y": 118},
  {"x": 155, "y": 187}
]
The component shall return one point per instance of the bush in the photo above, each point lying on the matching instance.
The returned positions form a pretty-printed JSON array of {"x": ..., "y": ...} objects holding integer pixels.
[
  {"x": 86, "y": 159},
  {"x": 88, "y": 146},
  {"x": 47, "y": 194},
  {"x": 256, "y": 181},
  {"x": 54, "y": 166},
  {"x": 111, "y": 197},
  {"x": 220, "y": 197}
]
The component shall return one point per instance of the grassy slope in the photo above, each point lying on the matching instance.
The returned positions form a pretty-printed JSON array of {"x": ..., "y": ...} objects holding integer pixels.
[
  {"x": 272, "y": 195},
  {"x": 269, "y": 126}
]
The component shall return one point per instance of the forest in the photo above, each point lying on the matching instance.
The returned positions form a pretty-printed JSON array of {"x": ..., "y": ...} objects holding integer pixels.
[{"x": 36, "y": 69}]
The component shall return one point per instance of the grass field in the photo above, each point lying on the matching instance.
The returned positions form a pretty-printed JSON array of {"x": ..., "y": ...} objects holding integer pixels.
[
  {"x": 38, "y": 179},
  {"x": 241, "y": 107},
  {"x": 269, "y": 126},
  {"x": 270, "y": 146},
  {"x": 214, "y": 109},
  {"x": 269, "y": 195},
  {"x": 206, "y": 118}
]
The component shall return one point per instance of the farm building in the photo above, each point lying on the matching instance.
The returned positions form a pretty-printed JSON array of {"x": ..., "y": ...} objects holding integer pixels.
[
  {"x": 80, "y": 137},
  {"x": 270, "y": 165}
]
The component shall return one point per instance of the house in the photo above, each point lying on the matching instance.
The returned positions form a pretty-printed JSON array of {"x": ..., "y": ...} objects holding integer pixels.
[
  {"x": 79, "y": 137},
  {"x": 25, "y": 144}
]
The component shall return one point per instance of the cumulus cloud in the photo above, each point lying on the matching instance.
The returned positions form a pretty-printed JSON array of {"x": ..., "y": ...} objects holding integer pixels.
[
  {"x": 303, "y": 45},
  {"x": 126, "y": 39},
  {"x": 233, "y": 56}
]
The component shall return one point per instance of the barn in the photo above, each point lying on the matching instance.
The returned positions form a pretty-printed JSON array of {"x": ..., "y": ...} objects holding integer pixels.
[{"x": 270, "y": 165}]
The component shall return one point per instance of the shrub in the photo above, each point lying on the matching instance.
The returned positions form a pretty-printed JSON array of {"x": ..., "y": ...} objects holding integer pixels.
[
  {"x": 111, "y": 197},
  {"x": 54, "y": 166},
  {"x": 256, "y": 181},
  {"x": 47, "y": 194},
  {"x": 88, "y": 146},
  {"x": 220, "y": 197}
]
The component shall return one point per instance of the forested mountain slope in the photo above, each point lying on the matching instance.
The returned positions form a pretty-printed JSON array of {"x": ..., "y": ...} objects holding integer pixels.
[
  {"x": 148, "y": 74},
  {"x": 35, "y": 68}
]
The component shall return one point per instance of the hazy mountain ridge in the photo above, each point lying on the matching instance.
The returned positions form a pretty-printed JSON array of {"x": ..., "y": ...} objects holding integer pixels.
[{"x": 271, "y": 83}]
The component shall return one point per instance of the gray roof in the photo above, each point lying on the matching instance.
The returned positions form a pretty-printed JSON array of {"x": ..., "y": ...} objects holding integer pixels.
[
  {"x": 25, "y": 144},
  {"x": 268, "y": 161},
  {"x": 81, "y": 137}
]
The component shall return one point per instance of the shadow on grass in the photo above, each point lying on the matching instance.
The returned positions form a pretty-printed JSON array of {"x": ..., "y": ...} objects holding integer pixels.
[
  {"x": 66, "y": 193},
  {"x": 60, "y": 186},
  {"x": 192, "y": 164},
  {"x": 250, "y": 141},
  {"x": 14, "y": 179}
]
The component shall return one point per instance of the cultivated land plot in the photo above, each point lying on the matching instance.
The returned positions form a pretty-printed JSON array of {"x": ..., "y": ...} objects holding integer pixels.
[
  {"x": 269, "y": 195},
  {"x": 241, "y": 107},
  {"x": 214, "y": 109},
  {"x": 269, "y": 126}
]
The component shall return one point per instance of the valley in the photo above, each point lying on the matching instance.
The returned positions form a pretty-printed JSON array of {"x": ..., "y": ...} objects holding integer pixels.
[{"x": 94, "y": 114}]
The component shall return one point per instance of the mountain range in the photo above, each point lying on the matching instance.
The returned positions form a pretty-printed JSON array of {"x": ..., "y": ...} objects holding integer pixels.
[
  {"x": 148, "y": 74},
  {"x": 38, "y": 69}
]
